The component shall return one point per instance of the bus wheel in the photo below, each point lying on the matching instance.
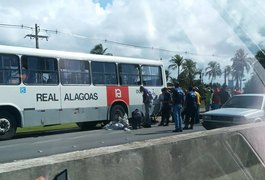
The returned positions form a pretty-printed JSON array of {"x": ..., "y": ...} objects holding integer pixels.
[
  {"x": 87, "y": 125},
  {"x": 116, "y": 112},
  {"x": 8, "y": 125}
]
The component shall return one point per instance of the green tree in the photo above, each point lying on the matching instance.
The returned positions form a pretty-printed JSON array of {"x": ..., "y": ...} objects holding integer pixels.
[
  {"x": 200, "y": 73},
  {"x": 168, "y": 73},
  {"x": 189, "y": 70},
  {"x": 213, "y": 70},
  {"x": 176, "y": 61},
  {"x": 227, "y": 72},
  {"x": 260, "y": 56},
  {"x": 240, "y": 63},
  {"x": 98, "y": 49}
]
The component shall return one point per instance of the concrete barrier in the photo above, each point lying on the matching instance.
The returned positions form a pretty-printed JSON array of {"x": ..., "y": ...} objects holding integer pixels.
[{"x": 231, "y": 153}]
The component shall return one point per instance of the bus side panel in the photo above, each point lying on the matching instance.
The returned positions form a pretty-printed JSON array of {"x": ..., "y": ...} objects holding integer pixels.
[
  {"x": 83, "y": 103},
  {"x": 136, "y": 99},
  {"x": 41, "y": 117},
  {"x": 44, "y": 107}
]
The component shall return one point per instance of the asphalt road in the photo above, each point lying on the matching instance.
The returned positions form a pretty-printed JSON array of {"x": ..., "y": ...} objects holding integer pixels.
[{"x": 25, "y": 146}]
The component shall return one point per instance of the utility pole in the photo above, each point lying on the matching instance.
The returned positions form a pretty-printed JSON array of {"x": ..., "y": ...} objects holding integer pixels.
[{"x": 36, "y": 36}]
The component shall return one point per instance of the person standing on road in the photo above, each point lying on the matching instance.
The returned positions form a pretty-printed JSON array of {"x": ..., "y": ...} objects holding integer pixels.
[
  {"x": 166, "y": 108},
  {"x": 216, "y": 100},
  {"x": 178, "y": 101},
  {"x": 197, "y": 114},
  {"x": 208, "y": 98},
  {"x": 147, "y": 100},
  {"x": 191, "y": 108},
  {"x": 224, "y": 94}
]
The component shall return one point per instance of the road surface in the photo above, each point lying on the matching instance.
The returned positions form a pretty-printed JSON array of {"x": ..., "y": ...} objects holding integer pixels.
[{"x": 27, "y": 146}]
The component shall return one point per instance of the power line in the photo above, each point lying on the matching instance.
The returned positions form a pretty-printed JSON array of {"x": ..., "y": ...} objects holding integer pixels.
[
  {"x": 16, "y": 26},
  {"x": 36, "y": 36}
]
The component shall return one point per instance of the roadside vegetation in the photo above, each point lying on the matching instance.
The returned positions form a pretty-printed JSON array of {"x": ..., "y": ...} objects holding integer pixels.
[
  {"x": 187, "y": 73},
  {"x": 47, "y": 128}
]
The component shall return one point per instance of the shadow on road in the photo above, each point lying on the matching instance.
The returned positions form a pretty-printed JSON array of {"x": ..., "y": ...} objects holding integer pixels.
[{"x": 45, "y": 133}]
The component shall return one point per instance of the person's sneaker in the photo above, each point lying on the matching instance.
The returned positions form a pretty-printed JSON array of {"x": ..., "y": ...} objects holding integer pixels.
[
  {"x": 185, "y": 128},
  {"x": 190, "y": 127}
]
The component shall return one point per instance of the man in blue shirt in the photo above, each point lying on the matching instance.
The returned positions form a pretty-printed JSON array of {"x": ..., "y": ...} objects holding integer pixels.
[
  {"x": 178, "y": 101},
  {"x": 190, "y": 108}
]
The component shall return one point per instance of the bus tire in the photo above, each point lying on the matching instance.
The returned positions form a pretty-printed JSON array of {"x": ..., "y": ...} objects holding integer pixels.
[
  {"x": 8, "y": 125},
  {"x": 87, "y": 125},
  {"x": 116, "y": 112}
]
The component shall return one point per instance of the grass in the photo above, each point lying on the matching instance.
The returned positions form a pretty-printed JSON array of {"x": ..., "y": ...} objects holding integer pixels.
[{"x": 46, "y": 128}]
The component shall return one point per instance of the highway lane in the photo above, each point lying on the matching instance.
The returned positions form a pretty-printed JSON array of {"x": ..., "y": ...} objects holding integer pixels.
[{"x": 49, "y": 143}]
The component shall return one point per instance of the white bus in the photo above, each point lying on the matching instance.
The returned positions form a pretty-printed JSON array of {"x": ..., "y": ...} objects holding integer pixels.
[{"x": 47, "y": 87}]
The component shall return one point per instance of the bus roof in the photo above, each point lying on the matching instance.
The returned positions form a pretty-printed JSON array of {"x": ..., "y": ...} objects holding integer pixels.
[{"x": 73, "y": 55}]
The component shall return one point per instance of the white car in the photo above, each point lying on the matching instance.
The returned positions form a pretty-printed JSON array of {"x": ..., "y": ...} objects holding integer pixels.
[{"x": 239, "y": 109}]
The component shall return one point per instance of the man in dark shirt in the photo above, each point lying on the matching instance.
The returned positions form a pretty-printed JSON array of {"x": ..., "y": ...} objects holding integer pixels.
[
  {"x": 190, "y": 108},
  {"x": 166, "y": 108},
  {"x": 224, "y": 95},
  {"x": 147, "y": 105}
]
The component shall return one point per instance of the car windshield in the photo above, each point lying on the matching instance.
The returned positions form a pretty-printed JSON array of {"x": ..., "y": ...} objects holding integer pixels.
[{"x": 251, "y": 102}]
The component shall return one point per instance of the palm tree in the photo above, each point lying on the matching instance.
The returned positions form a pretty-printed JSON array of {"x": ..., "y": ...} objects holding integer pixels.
[
  {"x": 98, "y": 49},
  {"x": 213, "y": 70},
  {"x": 189, "y": 70},
  {"x": 227, "y": 72},
  {"x": 199, "y": 72},
  {"x": 240, "y": 63},
  {"x": 168, "y": 77},
  {"x": 176, "y": 62}
]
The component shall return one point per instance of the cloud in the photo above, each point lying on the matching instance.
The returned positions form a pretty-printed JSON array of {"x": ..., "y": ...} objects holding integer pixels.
[{"x": 179, "y": 26}]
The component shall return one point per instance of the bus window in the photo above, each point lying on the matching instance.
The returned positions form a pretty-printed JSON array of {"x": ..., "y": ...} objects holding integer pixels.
[
  {"x": 39, "y": 70},
  {"x": 152, "y": 75},
  {"x": 9, "y": 69},
  {"x": 74, "y": 72},
  {"x": 129, "y": 74},
  {"x": 104, "y": 73}
]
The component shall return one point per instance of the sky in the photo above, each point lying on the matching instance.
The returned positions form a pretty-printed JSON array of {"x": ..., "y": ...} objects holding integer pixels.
[{"x": 201, "y": 30}]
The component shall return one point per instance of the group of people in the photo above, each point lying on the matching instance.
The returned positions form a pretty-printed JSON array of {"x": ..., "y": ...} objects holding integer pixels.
[
  {"x": 183, "y": 106},
  {"x": 215, "y": 98}
]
